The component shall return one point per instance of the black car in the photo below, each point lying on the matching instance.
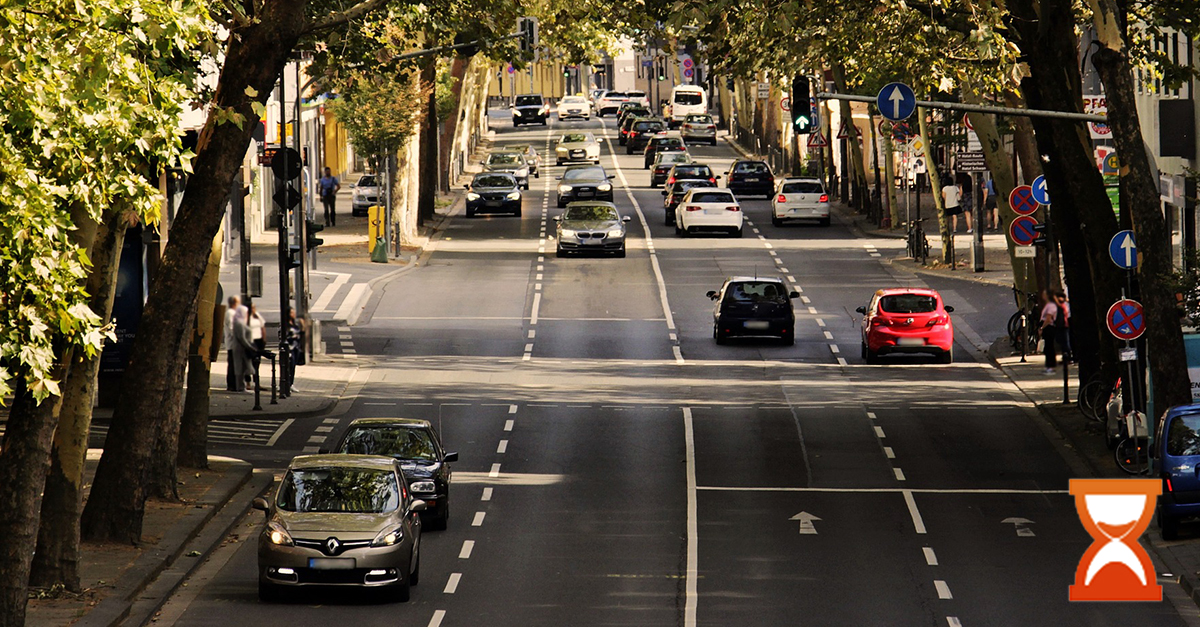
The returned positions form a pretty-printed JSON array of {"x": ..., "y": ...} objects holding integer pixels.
[
  {"x": 754, "y": 307},
  {"x": 750, "y": 178},
  {"x": 633, "y": 110},
  {"x": 584, "y": 182},
  {"x": 657, "y": 143},
  {"x": 626, "y": 124},
  {"x": 640, "y": 134},
  {"x": 664, "y": 162},
  {"x": 416, "y": 446},
  {"x": 530, "y": 109},
  {"x": 675, "y": 193},
  {"x": 493, "y": 192},
  {"x": 511, "y": 162},
  {"x": 699, "y": 171}
]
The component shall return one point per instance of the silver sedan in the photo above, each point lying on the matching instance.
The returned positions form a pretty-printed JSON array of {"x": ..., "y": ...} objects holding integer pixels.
[
  {"x": 591, "y": 227},
  {"x": 577, "y": 147}
]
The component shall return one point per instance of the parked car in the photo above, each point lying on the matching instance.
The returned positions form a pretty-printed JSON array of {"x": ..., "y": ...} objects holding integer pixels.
[
  {"x": 663, "y": 143},
  {"x": 800, "y": 199},
  {"x": 590, "y": 227},
  {"x": 508, "y": 161},
  {"x": 675, "y": 192},
  {"x": 609, "y": 103},
  {"x": 493, "y": 192},
  {"x": 699, "y": 128},
  {"x": 663, "y": 163},
  {"x": 530, "y": 109},
  {"x": 750, "y": 178},
  {"x": 1176, "y": 459},
  {"x": 584, "y": 182},
  {"x": 691, "y": 170},
  {"x": 340, "y": 520},
  {"x": 577, "y": 147},
  {"x": 365, "y": 195},
  {"x": 640, "y": 133},
  {"x": 573, "y": 107},
  {"x": 416, "y": 446},
  {"x": 907, "y": 320},
  {"x": 754, "y": 307},
  {"x": 708, "y": 210}
]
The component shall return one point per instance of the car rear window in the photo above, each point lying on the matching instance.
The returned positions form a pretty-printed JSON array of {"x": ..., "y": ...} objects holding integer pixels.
[
  {"x": 693, "y": 170},
  {"x": 614, "y": 94},
  {"x": 1182, "y": 437},
  {"x": 683, "y": 186},
  {"x": 700, "y": 119},
  {"x": 712, "y": 197},
  {"x": 688, "y": 98},
  {"x": 803, "y": 188},
  {"x": 756, "y": 292},
  {"x": 908, "y": 303},
  {"x": 749, "y": 167},
  {"x": 648, "y": 126},
  {"x": 672, "y": 157},
  {"x": 636, "y": 94},
  {"x": 397, "y": 442},
  {"x": 667, "y": 141},
  {"x": 524, "y": 101}
]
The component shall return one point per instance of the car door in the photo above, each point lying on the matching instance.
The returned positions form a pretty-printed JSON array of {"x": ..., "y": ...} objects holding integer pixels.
[{"x": 1181, "y": 459}]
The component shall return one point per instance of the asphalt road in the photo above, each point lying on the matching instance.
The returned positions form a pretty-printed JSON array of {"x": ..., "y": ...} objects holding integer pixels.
[{"x": 619, "y": 468}]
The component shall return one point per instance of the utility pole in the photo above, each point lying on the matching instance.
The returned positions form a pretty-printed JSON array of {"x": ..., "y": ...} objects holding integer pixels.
[
  {"x": 299, "y": 215},
  {"x": 284, "y": 296}
]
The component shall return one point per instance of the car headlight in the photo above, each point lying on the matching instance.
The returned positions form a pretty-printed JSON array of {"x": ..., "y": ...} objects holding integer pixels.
[
  {"x": 561, "y": 150},
  {"x": 522, "y": 172},
  {"x": 278, "y": 534},
  {"x": 566, "y": 232},
  {"x": 423, "y": 486},
  {"x": 514, "y": 196},
  {"x": 604, "y": 187},
  {"x": 472, "y": 196},
  {"x": 616, "y": 233},
  {"x": 388, "y": 537},
  {"x": 562, "y": 189}
]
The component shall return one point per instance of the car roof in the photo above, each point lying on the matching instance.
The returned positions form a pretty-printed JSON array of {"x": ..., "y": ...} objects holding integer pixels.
[
  {"x": 757, "y": 279},
  {"x": 892, "y": 291},
  {"x": 716, "y": 189},
  {"x": 391, "y": 422},
  {"x": 803, "y": 179},
  {"x": 343, "y": 460}
]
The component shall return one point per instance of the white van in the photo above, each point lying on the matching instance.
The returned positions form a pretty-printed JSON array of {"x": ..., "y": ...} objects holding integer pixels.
[{"x": 687, "y": 100}]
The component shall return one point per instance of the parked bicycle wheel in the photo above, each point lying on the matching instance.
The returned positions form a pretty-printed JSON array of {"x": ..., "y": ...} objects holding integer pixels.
[
  {"x": 1132, "y": 455},
  {"x": 1091, "y": 399}
]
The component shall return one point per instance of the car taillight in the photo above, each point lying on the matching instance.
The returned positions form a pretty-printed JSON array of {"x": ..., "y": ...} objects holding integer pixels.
[
  {"x": 733, "y": 208},
  {"x": 1167, "y": 479},
  {"x": 712, "y": 180},
  {"x": 711, "y": 127},
  {"x": 692, "y": 208},
  {"x": 781, "y": 198},
  {"x": 879, "y": 322},
  {"x": 936, "y": 320},
  {"x": 823, "y": 198},
  {"x": 670, "y": 180}
]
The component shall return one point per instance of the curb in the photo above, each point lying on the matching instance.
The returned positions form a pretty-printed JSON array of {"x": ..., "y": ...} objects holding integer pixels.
[{"x": 116, "y": 607}]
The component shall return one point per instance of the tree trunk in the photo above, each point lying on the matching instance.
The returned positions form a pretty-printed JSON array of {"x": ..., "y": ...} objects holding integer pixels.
[
  {"x": 56, "y": 561},
  {"x": 935, "y": 187},
  {"x": 1164, "y": 336},
  {"x": 193, "y": 425},
  {"x": 254, "y": 58},
  {"x": 458, "y": 69},
  {"x": 427, "y": 190},
  {"x": 24, "y": 460}
]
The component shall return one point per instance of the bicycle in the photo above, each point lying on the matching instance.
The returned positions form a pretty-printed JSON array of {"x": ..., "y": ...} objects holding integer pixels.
[
  {"x": 918, "y": 244},
  {"x": 1133, "y": 453},
  {"x": 1022, "y": 325},
  {"x": 1091, "y": 398}
]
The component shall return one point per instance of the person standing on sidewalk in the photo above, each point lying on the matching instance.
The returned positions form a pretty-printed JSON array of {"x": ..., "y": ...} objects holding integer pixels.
[
  {"x": 242, "y": 356},
  {"x": 329, "y": 186},
  {"x": 1050, "y": 318},
  {"x": 235, "y": 310},
  {"x": 991, "y": 213},
  {"x": 951, "y": 197},
  {"x": 258, "y": 332},
  {"x": 966, "y": 190},
  {"x": 1062, "y": 326}
]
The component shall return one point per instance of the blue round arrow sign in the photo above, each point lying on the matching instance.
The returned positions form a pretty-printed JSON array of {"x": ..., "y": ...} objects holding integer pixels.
[
  {"x": 1126, "y": 320},
  {"x": 896, "y": 101},
  {"x": 1040, "y": 192},
  {"x": 1122, "y": 249},
  {"x": 1021, "y": 230}
]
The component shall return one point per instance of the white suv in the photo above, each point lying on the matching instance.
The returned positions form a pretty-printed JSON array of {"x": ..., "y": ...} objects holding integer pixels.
[
  {"x": 800, "y": 199},
  {"x": 709, "y": 209}
]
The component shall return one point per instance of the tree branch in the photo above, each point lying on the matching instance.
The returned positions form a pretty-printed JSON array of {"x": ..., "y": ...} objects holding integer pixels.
[{"x": 337, "y": 19}]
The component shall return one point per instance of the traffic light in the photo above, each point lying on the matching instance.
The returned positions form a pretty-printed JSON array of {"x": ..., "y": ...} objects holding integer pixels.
[
  {"x": 528, "y": 28},
  {"x": 566, "y": 71},
  {"x": 801, "y": 105},
  {"x": 662, "y": 74},
  {"x": 295, "y": 259},
  {"x": 311, "y": 240}
]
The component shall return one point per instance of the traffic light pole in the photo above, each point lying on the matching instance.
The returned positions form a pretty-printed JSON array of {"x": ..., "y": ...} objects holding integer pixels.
[
  {"x": 284, "y": 265},
  {"x": 300, "y": 215}
]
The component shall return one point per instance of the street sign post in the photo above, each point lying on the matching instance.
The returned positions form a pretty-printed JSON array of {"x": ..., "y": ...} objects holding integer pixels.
[
  {"x": 970, "y": 162},
  {"x": 896, "y": 101},
  {"x": 1023, "y": 231},
  {"x": 1126, "y": 320},
  {"x": 1040, "y": 192},
  {"x": 1021, "y": 200},
  {"x": 1122, "y": 249}
]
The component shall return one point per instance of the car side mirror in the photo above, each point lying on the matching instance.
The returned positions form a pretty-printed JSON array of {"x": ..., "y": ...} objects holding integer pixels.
[
  {"x": 468, "y": 186},
  {"x": 417, "y": 506},
  {"x": 612, "y": 176},
  {"x": 628, "y": 218},
  {"x": 558, "y": 178},
  {"x": 450, "y": 457},
  {"x": 861, "y": 310},
  {"x": 558, "y": 218},
  {"x": 352, "y": 186},
  {"x": 260, "y": 504},
  {"x": 948, "y": 309},
  {"x": 712, "y": 294},
  {"x": 793, "y": 294}
]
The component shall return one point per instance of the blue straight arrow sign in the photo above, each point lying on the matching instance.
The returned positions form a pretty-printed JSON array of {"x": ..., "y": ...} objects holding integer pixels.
[
  {"x": 896, "y": 101},
  {"x": 1122, "y": 249}
]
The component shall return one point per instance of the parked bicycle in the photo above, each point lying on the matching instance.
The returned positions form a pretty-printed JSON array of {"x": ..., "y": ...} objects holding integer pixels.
[
  {"x": 1092, "y": 398},
  {"x": 1023, "y": 325},
  {"x": 1127, "y": 433},
  {"x": 918, "y": 244}
]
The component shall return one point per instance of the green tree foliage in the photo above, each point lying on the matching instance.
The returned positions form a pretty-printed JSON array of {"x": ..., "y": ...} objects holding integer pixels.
[{"x": 379, "y": 112}]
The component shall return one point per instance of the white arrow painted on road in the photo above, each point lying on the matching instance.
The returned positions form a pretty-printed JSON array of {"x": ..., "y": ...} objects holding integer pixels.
[
  {"x": 897, "y": 97},
  {"x": 806, "y": 522},
  {"x": 1129, "y": 247},
  {"x": 1020, "y": 525}
]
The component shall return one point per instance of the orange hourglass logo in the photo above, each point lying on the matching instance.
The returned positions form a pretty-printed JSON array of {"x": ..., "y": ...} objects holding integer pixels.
[{"x": 1115, "y": 512}]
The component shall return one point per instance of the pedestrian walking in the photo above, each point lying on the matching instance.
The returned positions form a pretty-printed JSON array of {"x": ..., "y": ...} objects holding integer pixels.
[
  {"x": 329, "y": 186},
  {"x": 1051, "y": 322},
  {"x": 1062, "y": 326},
  {"x": 966, "y": 190},
  {"x": 235, "y": 309},
  {"x": 951, "y": 201},
  {"x": 294, "y": 343},
  {"x": 990, "y": 211},
  {"x": 258, "y": 333},
  {"x": 242, "y": 356}
]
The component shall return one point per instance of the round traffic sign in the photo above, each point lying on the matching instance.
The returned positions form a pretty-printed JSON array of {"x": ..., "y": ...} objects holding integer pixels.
[
  {"x": 1022, "y": 230},
  {"x": 1122, "y": 249},
  {"x": 1126, "y": 320},
  {"x": 785, "y": 103},
  {"x": 511, "y": 69},
  {"x": 967, "y": 122},
  {"x": 687, "y": 63},
  {"x": 1021, "y": 200},
  {"x": 896, "y": 101},
  {"x": 687, "y": 72},
  {"x": 286, "y": 164},
  {"x": 1041, "y": 193}
]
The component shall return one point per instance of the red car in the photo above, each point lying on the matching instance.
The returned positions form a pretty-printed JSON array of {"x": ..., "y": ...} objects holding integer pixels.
[{"x": 907, "y": 320}]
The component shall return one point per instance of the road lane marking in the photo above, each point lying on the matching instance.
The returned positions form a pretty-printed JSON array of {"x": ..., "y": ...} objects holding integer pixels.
[
  {"x": 503, "y": 446},
  {"x": 436, "y": 621},
  {"x": 532, "y": 334},
  {"x": 678, "y": 355},
  {"x": 899, "y": 474},
  {"x": 324, "y": 429},
  {"x": 527, "y": 357},
  {"x": 871, "y": 415},
  {"x": 512, "y": 409},
  {"x": 541, "y": 259},
  {"x": 879, "y": 432},
  {"x": 791, "y": 279},
  {"x": 537, "y": 286},
  {"x": 539, "y": 277},
  {"x": 278, "y": 432},
  {"x": 805, "y": 300},
  {"x": 495, "y": 471},
  {"x": 487, "y": 494},
  {"x": 689, "y": 605},
  {"x": 785, "y": 271},
  {"x": 889, "y": 453},
  {"x": 478, "y": 521},
  {"x": 529, "y": 347},
  {"x": 452, "y": 583},
  {"x": 778, "y": 261},
  {"x": 918, "y": 522},
  {"x": 820, "y": 322},
  {"x": 996, "y": 491},
  {"x": 942, "y": 589},
  {"x": 316, "y": 439},
  {"x": 537, "y": 303},
  {"x": 952, "y": 621},
  {"x": 930, "y": 557},
  {"x": 813, "y": 311},
  {"x": 834, "y": 348},
  {"x": 329, "y": 292},
  {"x": 467, "y": 547},
  {"x": 311, "y": 449},
  {"x": 508, "y": 425}
]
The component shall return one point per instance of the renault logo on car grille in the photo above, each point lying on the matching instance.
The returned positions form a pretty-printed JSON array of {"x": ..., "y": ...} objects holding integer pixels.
[{"x": 332, "y": 546}]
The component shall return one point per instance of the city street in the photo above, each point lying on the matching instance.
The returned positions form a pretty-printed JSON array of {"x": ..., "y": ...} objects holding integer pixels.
[{"x": 618, "y": 467}]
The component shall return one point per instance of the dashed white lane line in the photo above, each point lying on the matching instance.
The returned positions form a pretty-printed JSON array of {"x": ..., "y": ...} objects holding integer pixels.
[
  {"x": 768, "y": 245},
  {"x": 834, "y": 349},
  {"x": 311, "y": 449},
  {"x": 678, "y": 355},
  {"x": 828, "y": 335},
  {"x": 871, "y": 415},
  {"x": 693, "y": 553},
  {"x": 508, "y": 425},
  {"x": 537, "y": 286},
  {"x": 942, "y": 589},
  {"x": 334, "y": 421},
  {"x": 778, "y": 261},
  {"x": 478, "y": 520},
  {"x": 452, "y": 583},
  {"x": 899, "y": 474},
  {"x": 879, "y": 432},
  {"x": 495, "y": 471},
  {"x": 529, "y": 347},
  {"x": 512, "y": 409},
  {"x": 820, "y": 322},
  {"x": 532, "y": 334},
  {"x": 813, "y": 311},
  {"x": 952, "y": 621},
  {"x": 503, "y": 447},
  {"x": 806, "y": 300},
  {"x": 755, "y": 229},
  {"x": 930, "y": 557},
  {"x": 537, "y": 304},
  {"x": 842, "y": 361},
  {"x": 436, "y": 621},
  {"x": 316, "y": 439},
  {"x": 918, "y": 522},
  {"x": 487, "y": 494},
  {"x": 324, "y": 429},
  {"x": 791, "y": 279},
  {"x": 538, "y": 277},
  {"x": 467, "y": 547},
  {"x": 785, "y": 271},
  {"x": 889, "y": 453}
]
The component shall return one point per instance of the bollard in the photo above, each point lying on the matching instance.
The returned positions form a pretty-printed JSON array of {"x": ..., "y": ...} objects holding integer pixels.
[
  {"x": 273, "y": 401},
  {"x": 257, "y": 401},
  {"x": 1024, "y": 334},
  {"x": 1066, "y": 379}
]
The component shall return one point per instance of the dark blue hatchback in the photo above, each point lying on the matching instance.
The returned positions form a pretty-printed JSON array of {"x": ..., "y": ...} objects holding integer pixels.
[{"x": 1177, "y": 461}]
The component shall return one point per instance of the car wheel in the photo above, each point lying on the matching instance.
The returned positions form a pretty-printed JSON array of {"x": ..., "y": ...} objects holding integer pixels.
[
  {"x": 871, "y": 356},
  {"x": 621, "y": 253},
  {"x": 401, "y": 592},
  {"x": 668, "y": 218},
  {"x": 562, "y": 205},
  {"x": 713, "y": 142},
  {"x": 947, "y": 356},
  {"x": 824, "y": 221},
  {"x": 1168, "y": 526},
  {"x": 678, "y": 229},
  {"x": 738, "y": 232},
  {"x": 269, "y": 592},
  {"x": 525, "y": 187},
  {"x": 789, "y": 339},
  {"x": 537, "y": 175},
  {"x": 414, "y": 577},
  {"x": 721, "y": 338},
  {"x": 517, "y": 213},
  {"x": 441, "y": 519},
  {"x": 470, "y": 213},
  {"x": 560, "y": 253},
  {"x": 775, "y": 221},
  {"x": 863, "y": 353},
  {"x": 558, "y": 162}
]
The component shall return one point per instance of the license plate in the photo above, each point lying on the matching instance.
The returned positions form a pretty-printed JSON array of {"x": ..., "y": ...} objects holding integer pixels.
[
  {"x": 331, "y": 563},
  {"x": 910, "y": 341},
  {"x": 493, "y": 203},
  {"x": 751, "y": 180},
  {"x": 758, "y": 325},
  {"x": 586, "y": 194},
  {"x": 594, "y": 241}
]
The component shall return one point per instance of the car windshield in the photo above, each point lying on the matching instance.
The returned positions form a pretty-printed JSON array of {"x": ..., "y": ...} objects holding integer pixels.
[
  {"x": 712, "y": 197},
  {"x": 648, "y": 126},
  {"x": 393, "y": 441},
  {"x": 367, "y": 181},
  {"x": 591, "y": 212},
  {"x": 573, "y": 100},
  {"x": 573, "y": 138},
  {"x": 751, "y": 167},
  {"x": 756, "y": 292},
  {"x": 493, "y": 180},
  {"x": 1182, "y": 437},
  {"x": 803, "y": 187},
  {"x": 339, "y": 489},
  {"x": 688, "y": 98},
  {"x": 525, "y": 101},
  {"x": 700, "y": 119},
  {"x": 508, "y": 158},
  {"x": 908, "y": 303},
  {"x": 579, "y": 174},
  {"x": 699, "y": 171}
]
